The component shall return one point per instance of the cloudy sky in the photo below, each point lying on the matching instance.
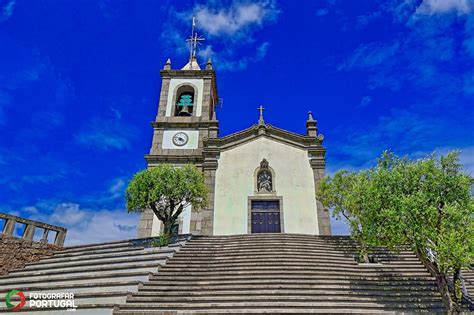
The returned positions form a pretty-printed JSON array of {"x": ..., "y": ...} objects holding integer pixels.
[{"x": 79, "y": 84}]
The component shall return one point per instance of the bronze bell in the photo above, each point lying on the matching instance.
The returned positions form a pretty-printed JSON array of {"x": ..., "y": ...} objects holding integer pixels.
[{"x": 184, "y": 111}]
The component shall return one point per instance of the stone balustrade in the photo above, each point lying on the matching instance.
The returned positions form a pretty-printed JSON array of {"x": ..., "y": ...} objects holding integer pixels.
[{"x": 30, "y": 228}]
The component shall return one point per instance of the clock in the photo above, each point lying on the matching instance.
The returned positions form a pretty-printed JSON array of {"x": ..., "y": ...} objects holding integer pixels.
[{"x": 180, "y": 139}]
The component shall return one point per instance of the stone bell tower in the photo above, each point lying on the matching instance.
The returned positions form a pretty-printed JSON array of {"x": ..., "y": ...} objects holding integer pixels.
[{"x": 185, "y": 124}]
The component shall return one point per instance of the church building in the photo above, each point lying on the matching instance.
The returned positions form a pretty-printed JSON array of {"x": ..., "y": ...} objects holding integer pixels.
[{"x": 261, "y": 179}]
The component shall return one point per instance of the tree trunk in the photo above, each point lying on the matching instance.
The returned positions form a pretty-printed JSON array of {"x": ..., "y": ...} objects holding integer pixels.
[
  {"x": 444, "y": 290},
  {"x": 441, "y": 283},
  {"x": 168, "y": 227}
]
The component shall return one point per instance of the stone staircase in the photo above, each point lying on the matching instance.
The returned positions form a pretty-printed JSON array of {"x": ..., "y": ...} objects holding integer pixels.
[
  {"x": 100, "y": 275},
  {"x": 468, "y": 275},
  {"x": 284, "y": 273}
]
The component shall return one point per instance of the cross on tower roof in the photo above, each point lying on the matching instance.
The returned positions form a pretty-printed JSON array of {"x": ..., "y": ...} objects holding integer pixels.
[
  {"x": 261, "y": 109},
  {"x": 194, "y": 41}
]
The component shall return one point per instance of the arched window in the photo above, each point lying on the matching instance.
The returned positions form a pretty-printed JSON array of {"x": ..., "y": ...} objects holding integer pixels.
[{"x": 184, "y": 101}]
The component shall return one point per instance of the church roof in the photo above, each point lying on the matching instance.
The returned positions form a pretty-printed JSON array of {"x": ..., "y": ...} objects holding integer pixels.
[
  {"x": 192, "y": 65},
  {"x": 266, "y": 130}
]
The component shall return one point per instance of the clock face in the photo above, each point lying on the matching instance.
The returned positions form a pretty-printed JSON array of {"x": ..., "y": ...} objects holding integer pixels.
[{"x": 180, "y": 139}]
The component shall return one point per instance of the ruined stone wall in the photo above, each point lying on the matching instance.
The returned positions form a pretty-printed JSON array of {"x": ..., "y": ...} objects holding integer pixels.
[{"x": 16, "y": 252}]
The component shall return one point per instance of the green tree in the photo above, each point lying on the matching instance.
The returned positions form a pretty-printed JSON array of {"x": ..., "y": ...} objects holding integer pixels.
[
  {"x": 424, "y": 204},
  {"x": 167, "y": 190}
]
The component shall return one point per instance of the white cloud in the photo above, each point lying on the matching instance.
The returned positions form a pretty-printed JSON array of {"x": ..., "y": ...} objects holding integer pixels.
[
  {"x": 67, "y": 213},
  {"x": 7, "y": 10},
  {"x": 466, "y": 156},
  {"x": 371, "y": 55},
  {"x": 32, "y": 210},
  {"x": 235, "y": 20},
  {"x": 102, "y": 226},
  {"x": 432, "y": 7},
  {"x": 90, "y": 225},
  {"x": 225, "y": 61},
  {"x": 365, "y": 101},
  {"x": 322, "y": 12},
  {"x": 227, "y": 29},
  {"x": 105, "y": 135},
  {"x": 116, "y": 112},
  {"x": 117, "y": 188}
]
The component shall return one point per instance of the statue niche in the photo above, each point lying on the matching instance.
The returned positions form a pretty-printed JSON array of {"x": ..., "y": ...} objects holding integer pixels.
[{"x": 264, "y": 178}]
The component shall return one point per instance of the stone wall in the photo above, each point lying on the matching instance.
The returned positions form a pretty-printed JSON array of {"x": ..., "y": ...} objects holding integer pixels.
[{"x": 16, "y": 252}]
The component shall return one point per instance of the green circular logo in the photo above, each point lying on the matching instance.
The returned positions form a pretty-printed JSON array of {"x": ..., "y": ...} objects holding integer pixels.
[{"x": 18, "y": 306}]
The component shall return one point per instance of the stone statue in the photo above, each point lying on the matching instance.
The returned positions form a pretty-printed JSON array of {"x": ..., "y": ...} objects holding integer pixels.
[
  {"x": 264, "y": 181},
  {"x": 264, "y": 178}
]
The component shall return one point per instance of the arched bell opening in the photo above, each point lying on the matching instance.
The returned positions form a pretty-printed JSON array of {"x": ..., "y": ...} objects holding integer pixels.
[{"x": 185, "y": 101}]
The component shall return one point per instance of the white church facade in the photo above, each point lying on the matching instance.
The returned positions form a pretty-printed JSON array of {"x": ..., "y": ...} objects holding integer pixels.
[{"x": 261, "y": 180}]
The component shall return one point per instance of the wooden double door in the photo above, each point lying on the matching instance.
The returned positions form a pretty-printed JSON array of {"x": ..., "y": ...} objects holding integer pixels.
[{"x": 265, "y": 216}]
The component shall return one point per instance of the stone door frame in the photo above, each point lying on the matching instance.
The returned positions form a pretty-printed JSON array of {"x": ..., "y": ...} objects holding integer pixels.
[{"x": 264, "y": 198}]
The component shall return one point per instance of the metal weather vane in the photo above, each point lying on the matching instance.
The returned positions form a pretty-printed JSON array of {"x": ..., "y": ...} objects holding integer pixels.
[{"x": 194, "y": 41}]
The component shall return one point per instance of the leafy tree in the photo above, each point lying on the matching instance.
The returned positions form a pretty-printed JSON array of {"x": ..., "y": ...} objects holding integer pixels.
[
  {"x": 167, "y": 190},
  {"x": 424, "y": 204}
]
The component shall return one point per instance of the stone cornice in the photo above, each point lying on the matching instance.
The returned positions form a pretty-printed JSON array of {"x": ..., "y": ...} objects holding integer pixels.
[
  {"x": 183, "y": 122},
  {"x": 196, "y": 159},
  {"x": 198, "y": 74},
  {"x": 266, "y": 130}
]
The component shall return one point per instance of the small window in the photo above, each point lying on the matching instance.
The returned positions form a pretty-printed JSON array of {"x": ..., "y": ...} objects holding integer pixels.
[
  {"x": 19, "y": 229},
  {"x": 2, "y": 224},
  {"x": 52, "y": 236},
  {"x": 185, "y": 104},
  {"x": 38, "y": 234}
]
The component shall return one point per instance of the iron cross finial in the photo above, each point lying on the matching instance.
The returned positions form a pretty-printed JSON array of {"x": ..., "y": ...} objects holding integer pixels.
[
  {"x": 194, "y": 41},
  {"x": 261, "y": 109}
]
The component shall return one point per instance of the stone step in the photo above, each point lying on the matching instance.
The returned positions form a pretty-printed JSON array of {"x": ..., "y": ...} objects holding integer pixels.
[
  {"x": 211, "y": 264},
  {"x": 61, "y": 254},
  {"x": 86, "y": 309},
  {"x": 113, "y": 244},
  {"x": 279, "y": 245},
  {"x": 126, "y": 253},
  {"x": 274, "y": 237},
  {"x": 296, "y": 253},
  {"x": 278, "y": 268},
  {"x": 208, "y": 275},
  {"x": 213, "y": 261},
  {"x": 80, "y": 270},
  {"x": 315, "y": 289},
  {"x": 270, "y": 243},
  {"x": 314, "y": 298},
  {"x": 273, "y": 310},
  {"x": 337, "y": 279},
  {"x": 94, "y": 247},
  {"x": 308, "y": 240},
  {"x": 288, "y": 243},
  {"x": 88, "y": 287},
  {"x": 152, "y": 257},
  {"x": 303, "y": 253},
  {"x": 250, "y": 256},
  {"x": 276, "y": 304},
  {"x": 367, "y": 285},
  {"x": 284, "y": 272},
  {"x": 77, "y": 278},
  {"x": 117, "y": 297},
  {"x": 248, "y": 262}
]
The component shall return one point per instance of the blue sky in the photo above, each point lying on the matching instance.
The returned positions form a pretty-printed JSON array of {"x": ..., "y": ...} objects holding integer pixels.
[{"x": 79, "y": 85}]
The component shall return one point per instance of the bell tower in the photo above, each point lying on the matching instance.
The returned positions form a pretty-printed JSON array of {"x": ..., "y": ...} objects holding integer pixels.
[
  {"x": 186, "y": 113},
  {"x": 184, "y": 132}
]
